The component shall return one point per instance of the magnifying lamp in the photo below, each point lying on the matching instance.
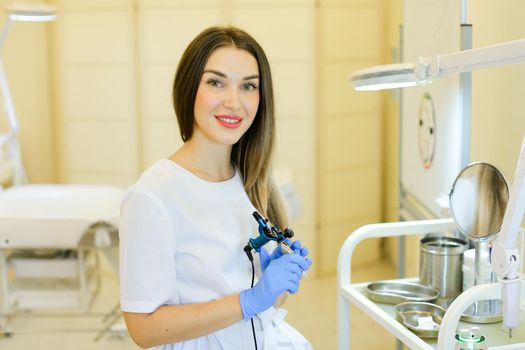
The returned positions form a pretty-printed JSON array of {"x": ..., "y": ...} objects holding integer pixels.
[
  {"x": 29, "y": 12},
  {"x": 427, "y": 69}
]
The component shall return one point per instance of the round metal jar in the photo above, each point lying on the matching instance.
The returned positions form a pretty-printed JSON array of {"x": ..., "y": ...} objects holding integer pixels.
[{"x": 440, "y": 262}]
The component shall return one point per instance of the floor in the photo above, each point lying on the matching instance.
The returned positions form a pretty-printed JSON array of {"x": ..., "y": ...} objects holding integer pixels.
[{"x": 312, "y": 311}]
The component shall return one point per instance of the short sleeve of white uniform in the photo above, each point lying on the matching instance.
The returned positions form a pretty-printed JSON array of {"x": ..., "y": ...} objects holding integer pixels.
[{"x": 147, "y": 248}]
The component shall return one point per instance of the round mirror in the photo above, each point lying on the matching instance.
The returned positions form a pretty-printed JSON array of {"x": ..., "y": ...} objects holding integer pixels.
[{"x": 478, "y": 200}]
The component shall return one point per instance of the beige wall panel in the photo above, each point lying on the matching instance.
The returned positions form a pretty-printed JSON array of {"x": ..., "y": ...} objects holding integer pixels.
[
  {"x": 498, "y": 123},
  {"x": 104, "y": 146},
  {"x": 350, "y": 2},
  {"x": 293, "y": 89},
  {"x": 350, "y": 32},
  {"x": 295, "y": 144},
  {"x": 391, "y": 139},
  {"x": 94, "y": 4},
  {"x": 411, "y": 253},
  {"x": 497, "y": 115},
  {"x": 332, "y": 237},
  {"x": 108, "y": 178},
  {"x": 337, "y": 95},
  {"x": 305, "y": 182},
  {"x": 350, "y": 141},
  {"x": 26, "y": 66},
  {"x": 161, "y": 139},
  {"x": 157, "y": 85},
  {"x": 270, "y": 2},
  {"x": 271, "y": 28},
  {"x": 99, "y": 91},
  {"x": 350, "y": 193},
  {"x": 165, "y": 33},
  {"x": 96, "y": 36},
  {"x": 304, "y": 185},
  {"x": 180, "y": 3}
]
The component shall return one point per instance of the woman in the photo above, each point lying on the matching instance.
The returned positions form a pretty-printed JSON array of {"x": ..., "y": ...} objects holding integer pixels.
[{"x": 185, "y": 280}]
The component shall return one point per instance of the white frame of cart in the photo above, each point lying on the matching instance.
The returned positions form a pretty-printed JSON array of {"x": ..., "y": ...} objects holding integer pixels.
[{"x": 348, "y": 294}]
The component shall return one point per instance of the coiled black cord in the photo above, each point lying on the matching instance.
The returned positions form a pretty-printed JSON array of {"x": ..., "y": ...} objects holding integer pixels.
[
  {"x": 248, "y": 249},
  {"x": 253, "y": 327}
]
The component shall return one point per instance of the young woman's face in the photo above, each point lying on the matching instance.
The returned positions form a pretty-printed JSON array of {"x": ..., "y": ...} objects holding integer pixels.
[{"x": 227, "y": 97}]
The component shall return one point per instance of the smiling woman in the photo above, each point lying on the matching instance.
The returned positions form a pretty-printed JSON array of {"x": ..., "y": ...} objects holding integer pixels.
[{"x": 185, "y": 281}]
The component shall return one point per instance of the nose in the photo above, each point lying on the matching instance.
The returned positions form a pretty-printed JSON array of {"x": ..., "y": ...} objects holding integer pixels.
[{"x": 232, "y": 99}]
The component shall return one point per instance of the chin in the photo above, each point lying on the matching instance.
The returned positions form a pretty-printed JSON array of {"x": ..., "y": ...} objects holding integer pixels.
[{"x": 230, "y": 142}]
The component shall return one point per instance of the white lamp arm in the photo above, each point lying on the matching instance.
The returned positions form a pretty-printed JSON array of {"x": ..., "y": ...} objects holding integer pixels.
[
  {"x": 511, "y": 52},
  {"x": 502, "y": 257},
  {"x": 505, "y": 257}
]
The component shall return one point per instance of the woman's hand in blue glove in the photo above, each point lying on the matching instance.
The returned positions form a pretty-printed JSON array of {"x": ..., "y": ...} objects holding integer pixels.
[
  {"x": 266, "y": 258},
  {"x": 282, "y": 274}
]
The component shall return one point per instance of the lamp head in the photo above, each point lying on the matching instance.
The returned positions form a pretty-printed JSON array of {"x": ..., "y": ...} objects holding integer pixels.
[
  {"x": 30, "y": 12},
  {"x": 391, "y": 76}
]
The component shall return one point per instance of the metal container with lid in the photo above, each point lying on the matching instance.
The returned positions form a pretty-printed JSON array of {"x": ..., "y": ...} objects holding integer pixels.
[{"x": 440, "y": 262}]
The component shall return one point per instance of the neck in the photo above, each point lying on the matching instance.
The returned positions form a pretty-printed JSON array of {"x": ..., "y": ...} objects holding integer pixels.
[{"x": 210, "y": 162}]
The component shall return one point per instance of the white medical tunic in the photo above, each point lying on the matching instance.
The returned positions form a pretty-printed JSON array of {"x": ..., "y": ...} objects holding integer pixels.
[{"x": 181, "y": 242}]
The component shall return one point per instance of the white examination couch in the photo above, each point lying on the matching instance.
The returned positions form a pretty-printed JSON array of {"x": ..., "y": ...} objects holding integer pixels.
[{"x": 48, "y": 237}]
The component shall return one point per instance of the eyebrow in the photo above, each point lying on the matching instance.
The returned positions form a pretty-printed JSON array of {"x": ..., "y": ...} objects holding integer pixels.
[{"x": 255, "y": 76}]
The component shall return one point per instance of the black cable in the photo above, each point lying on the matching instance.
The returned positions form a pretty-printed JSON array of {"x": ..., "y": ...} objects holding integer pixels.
[
  {"x": 253, "y": 327},
  {"x": 248, "y": 251}
]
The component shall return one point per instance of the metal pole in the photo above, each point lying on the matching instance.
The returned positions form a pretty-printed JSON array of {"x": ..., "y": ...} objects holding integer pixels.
[
  {"x": 465, "y": 85},
  {"x": 402, "y": 240}
]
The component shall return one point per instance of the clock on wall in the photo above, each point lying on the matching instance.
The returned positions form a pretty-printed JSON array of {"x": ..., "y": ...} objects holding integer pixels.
[{"x": 427, "y": 130}]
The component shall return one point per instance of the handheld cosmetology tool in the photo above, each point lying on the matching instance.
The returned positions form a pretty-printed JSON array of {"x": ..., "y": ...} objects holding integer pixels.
[{"x": 267, "y": 233}]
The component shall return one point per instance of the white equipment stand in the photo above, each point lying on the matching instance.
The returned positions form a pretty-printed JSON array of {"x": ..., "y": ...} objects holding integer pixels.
[{"x": 384, "y": 315}]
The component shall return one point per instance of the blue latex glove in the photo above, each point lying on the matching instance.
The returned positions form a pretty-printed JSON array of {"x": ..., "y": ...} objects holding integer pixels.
[
  {"x": 266, "y": 258},
  {"x": 282, "y": 274}
]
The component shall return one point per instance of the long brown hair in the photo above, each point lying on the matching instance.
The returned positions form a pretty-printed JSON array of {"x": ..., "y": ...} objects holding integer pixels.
[{"x": 252, "y": 154}]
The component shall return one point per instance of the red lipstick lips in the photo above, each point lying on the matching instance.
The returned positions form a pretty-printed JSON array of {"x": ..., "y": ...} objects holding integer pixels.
[{"x": 228, "y": 121}]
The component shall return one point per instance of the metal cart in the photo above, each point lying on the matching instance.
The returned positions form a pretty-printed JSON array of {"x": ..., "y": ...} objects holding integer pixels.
[{"x": 384, "y": 315}]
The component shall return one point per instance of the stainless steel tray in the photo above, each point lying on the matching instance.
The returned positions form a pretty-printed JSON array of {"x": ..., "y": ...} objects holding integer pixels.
[
  {"x": 409, "y": 314},
  {"x": 395, "y": 293},
  {"x": 488, "y": 311}
]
